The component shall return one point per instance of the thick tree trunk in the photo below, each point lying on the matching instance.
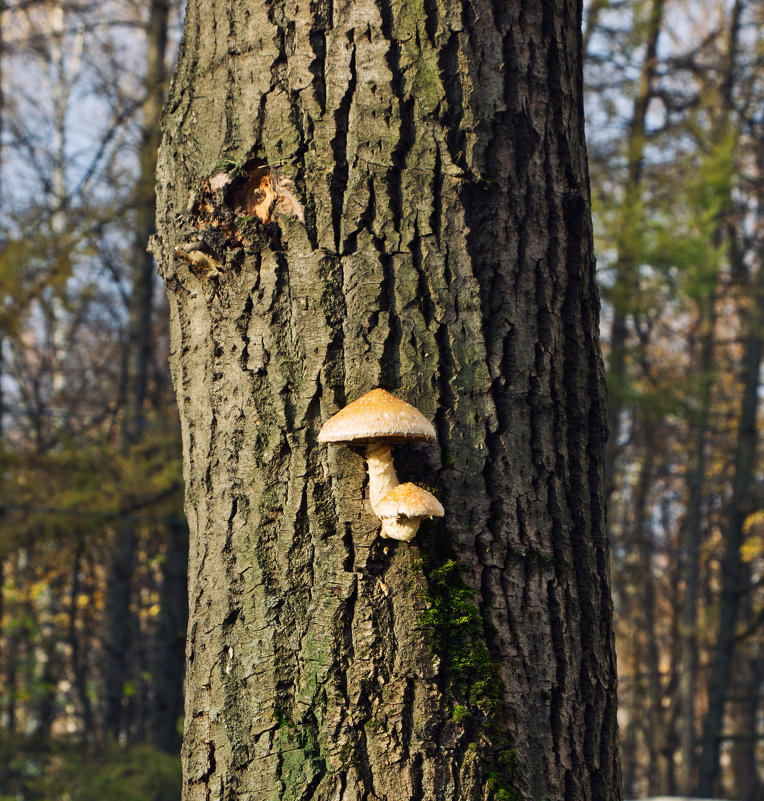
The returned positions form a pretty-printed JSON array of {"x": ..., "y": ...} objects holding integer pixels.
[{"x": 446, "y": 255}]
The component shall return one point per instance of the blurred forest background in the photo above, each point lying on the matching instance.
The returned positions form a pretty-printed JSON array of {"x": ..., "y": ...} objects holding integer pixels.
[{"x": 92, "y": 537}]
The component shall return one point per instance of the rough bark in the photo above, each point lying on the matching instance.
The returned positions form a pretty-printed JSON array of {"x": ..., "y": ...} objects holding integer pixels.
[{"x": 446, "y": 255}]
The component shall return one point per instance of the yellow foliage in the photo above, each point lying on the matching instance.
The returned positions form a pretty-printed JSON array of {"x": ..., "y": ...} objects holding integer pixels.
[{"x": 753, "y": 547}]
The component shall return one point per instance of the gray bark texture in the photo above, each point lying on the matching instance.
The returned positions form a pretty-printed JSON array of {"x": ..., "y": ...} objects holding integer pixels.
[{"x": 445, "y": 255}]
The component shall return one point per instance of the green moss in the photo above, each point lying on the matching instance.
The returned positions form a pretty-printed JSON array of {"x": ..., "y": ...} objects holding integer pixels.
[
  {"x": 224, "y": 165},
  {"x": 456, "y": 633},
  {"x": 301, "y": 760},
  {"x": 345, "y": 751},
  {"x": 501, "y": 790},
  {"x": 448, "y": 459},
  {"x": 497, "y": 781},
  {"x": 507, "y": 758},
  {"x": 419, "y": 59},
  {"x": 234, "y": 163}
]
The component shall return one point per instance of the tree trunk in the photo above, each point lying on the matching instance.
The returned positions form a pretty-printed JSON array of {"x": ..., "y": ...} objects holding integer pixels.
[
  {"x": 138, "y": 351},
  {"x": 139, "y": 345},
  {"x": 626, "y": 267},
  {"x": 656, "y": 734},
  {"x": 168, "y": 657},
  {"x": 692, "y": 538},
  {"x": 744, "y": 760},
  {"x": 446, "y": 255},
  {"x": 79, "y": 664},
  {"x": 11, "y": 645},
  {"x": 733, "y": 569}
]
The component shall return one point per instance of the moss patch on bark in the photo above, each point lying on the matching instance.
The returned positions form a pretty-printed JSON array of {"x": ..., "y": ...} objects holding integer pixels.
[{"x": 455, "y": 632}]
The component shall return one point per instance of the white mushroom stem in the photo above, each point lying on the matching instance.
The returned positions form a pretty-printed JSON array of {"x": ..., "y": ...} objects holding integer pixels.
[
  {"x": 382, "y": 477},
  {"x": 400, "y": 528}
]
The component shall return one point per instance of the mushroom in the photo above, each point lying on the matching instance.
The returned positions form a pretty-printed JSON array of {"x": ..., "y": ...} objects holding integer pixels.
[
  {"x": 376, "y": 421},
  {"x": 403, "y": 509}
]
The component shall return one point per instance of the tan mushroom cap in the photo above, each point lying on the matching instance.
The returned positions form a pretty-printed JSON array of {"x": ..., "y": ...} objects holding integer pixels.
[
  {"x": 377, "y": 415},
  {"x": 408, "y": 500}
]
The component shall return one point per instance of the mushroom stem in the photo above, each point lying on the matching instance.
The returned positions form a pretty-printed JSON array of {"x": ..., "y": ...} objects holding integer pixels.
[
  {"x": 400, "y": 528},
  {"x": 382, "y": 477}
]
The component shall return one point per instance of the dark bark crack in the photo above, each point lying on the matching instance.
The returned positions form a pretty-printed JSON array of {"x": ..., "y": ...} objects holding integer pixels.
[
  {"x": 340, "y": 174},
  {"x": 390, "y": 365}
]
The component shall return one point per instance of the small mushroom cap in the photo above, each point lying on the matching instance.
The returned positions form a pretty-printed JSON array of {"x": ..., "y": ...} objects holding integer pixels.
[
  {"x": 377, "y": 415},
  {"x": 408, "y": 500}
]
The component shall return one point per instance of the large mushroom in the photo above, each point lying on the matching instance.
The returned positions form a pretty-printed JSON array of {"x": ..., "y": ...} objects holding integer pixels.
[
  {"x": 404, "y": 508},
  {"x": 375, "y": 422}
]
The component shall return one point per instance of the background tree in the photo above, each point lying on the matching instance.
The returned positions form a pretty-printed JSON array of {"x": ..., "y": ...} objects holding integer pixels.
[
  {"x": 688, "y": 363},
  {"x": 72, "y": 480},
  {"x": 446, "y": 255}
]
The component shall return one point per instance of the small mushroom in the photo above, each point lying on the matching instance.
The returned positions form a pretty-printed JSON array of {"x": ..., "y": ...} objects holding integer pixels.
[
  {"x": 375, "y": 422},
  {"x": 403, "y": 509}
]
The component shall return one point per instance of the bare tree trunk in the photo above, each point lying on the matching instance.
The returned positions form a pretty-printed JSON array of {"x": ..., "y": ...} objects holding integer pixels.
[
  {"x": 691, "y": 541},
  {"x": 142, "y": 277},
  {"x": 744, "y": 761},
  {"x": 169, "y": 658},
  {"x": 118, "y": 626},
  {"x": 733, "y": 571},
  {"x": 626, "y": 276},
  {"x": 79, "y": 665},
  {"x": 117, "y": 615},
  {"x": 656, "y": 734},
  {"x": 11, "y": 651},
  {"x": 630, "y": 735},
  {"x": 692, "y": 534},
  {"x": 446, "y": 255}
]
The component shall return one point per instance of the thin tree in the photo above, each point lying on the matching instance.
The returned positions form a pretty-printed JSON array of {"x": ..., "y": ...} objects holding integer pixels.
[{"x": 120, "y": 631}]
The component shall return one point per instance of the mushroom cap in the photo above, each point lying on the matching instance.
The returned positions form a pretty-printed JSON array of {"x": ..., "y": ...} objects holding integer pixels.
[
  {"x": 408, "y": 500},
  {"x": 377, "y": 415}
]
